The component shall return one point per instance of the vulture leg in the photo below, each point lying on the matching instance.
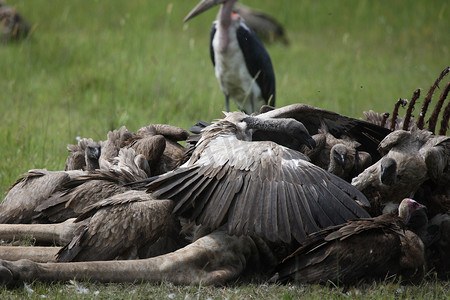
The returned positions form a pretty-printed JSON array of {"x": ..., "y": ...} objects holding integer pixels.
[
  {"x": 212, "y": 259},
  {"x": 36, "y": 254},
  {"x": 59, "y": 234}
]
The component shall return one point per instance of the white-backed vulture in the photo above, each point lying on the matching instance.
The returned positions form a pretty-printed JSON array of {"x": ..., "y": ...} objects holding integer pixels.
[
  {"x": 409, "y": 159},
  {"x": 438, "y": 258},
  {"x": 158, "y": 143},
  {"x": 30, "y": 191},
  {"x": 365, "y": 134},
  {"x": 120, "y": 227},
  {"x": 368, "y": 135},
  {"x": 116, "y": 140},
  {"x": 84, "y": 155},
  {"x": 257, "y": 187},
  {"x": 72, "y": 197},
  {"x": 338, "y": 156},
  {"x": 215, "y": 258},
  {"x": 371, "y": 248}
]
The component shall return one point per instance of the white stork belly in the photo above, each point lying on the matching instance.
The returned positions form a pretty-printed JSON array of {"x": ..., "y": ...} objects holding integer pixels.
[{"x": 233, "y": 76}]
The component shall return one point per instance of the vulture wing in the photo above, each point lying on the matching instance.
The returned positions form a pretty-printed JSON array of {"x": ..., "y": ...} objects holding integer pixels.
[
  {"x": 367, "y": 134},
  {"x": 101, "y": 237},
  {"x": 365, "y": 248},
  {"x": 259, "y": 188}
]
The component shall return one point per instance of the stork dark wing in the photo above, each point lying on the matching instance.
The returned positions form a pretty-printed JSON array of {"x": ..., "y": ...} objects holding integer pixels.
[
  {"x": 258, "y": 62},
  {"x": 367, "y": 134},
  {"x": 211, "y": 49},
  {"x": 259, "y": 188}
]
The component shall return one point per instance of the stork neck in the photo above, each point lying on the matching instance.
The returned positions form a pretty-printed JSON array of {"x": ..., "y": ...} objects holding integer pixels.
[
  {"x": 224, "y": 23},
  {"x": 225, "y": 13}
]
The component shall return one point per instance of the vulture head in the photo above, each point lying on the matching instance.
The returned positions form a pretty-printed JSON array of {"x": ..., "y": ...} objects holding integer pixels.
[
  {"x": 413, "y": 213},
  {"x": 388, "y": 171}
]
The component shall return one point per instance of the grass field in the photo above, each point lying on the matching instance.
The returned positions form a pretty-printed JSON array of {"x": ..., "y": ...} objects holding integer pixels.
[{"x": 92, "y": 66}]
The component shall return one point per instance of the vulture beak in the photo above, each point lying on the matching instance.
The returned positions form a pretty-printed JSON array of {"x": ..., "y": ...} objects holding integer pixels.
[
  {"x": 284, "y": 126},
  {"x": 388, "y": 171},
  {"x": 203, "y": 6},
  {"x": 308, "y": 141},
  {"x": 97, "y": 152},
  {"x": 340, "y": 158}
]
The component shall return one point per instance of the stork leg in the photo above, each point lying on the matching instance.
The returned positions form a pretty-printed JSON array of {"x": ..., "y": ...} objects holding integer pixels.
[
  {"x": 212, "y": 259},
  {"x": 227, "y": 103},
  {"x": 252, "y": 103},
  {"x": 59, "y": 234}
]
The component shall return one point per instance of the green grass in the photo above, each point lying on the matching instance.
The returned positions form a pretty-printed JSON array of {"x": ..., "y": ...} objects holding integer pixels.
[
  {"x": 87, "y": 290},
  {"x": 93, "y": 66}
]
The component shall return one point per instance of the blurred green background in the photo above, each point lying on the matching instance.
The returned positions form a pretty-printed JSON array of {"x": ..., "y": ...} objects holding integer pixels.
[{"x": 92, "y": 66}]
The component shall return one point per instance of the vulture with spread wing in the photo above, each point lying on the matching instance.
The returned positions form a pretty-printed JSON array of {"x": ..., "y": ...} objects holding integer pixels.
[{"x": 257, "y": 187}]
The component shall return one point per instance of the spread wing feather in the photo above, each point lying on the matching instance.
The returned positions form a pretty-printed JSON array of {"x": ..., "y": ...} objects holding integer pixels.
[{"x": 259, "y": 188}]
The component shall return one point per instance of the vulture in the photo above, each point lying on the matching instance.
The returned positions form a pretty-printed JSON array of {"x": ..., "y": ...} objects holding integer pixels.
[
  {"x": 257, "y": 188},
  {"x": 159, "y": 144},
  {"x": 410, "y": 158},
  {"x": 437, "y": 255},
  {"x": 366, "y": 134},
  {"x": 71, "y": 198},
  {"x": 122, "y": 226},
  {"x": 12, "y": 25},
  {"x": 338, "y": 156},
  {"x": 360, "y": 249},
  {"x": 116, "y": 140},
  {"x": 83, "y": 156},
  {"x": 30, "y": 191}
]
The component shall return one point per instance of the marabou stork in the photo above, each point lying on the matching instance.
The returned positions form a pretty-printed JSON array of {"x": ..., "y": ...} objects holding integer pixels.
[{"x": 241, "y": 63}]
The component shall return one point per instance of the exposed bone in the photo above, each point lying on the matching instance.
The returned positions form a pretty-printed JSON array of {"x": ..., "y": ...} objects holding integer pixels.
[
  {"x": 385, "y": 118},
  {"x": 437, "y": 109},
  {"x": 426, "y": 102},
  {"x": 445, "y": 119},
  {"x": 410, "y": 109},
  {"x": 401, "y": 102}
]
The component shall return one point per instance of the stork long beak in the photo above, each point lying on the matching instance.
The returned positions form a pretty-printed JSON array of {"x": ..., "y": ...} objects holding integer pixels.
[{"x": 204, "y": 5}]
